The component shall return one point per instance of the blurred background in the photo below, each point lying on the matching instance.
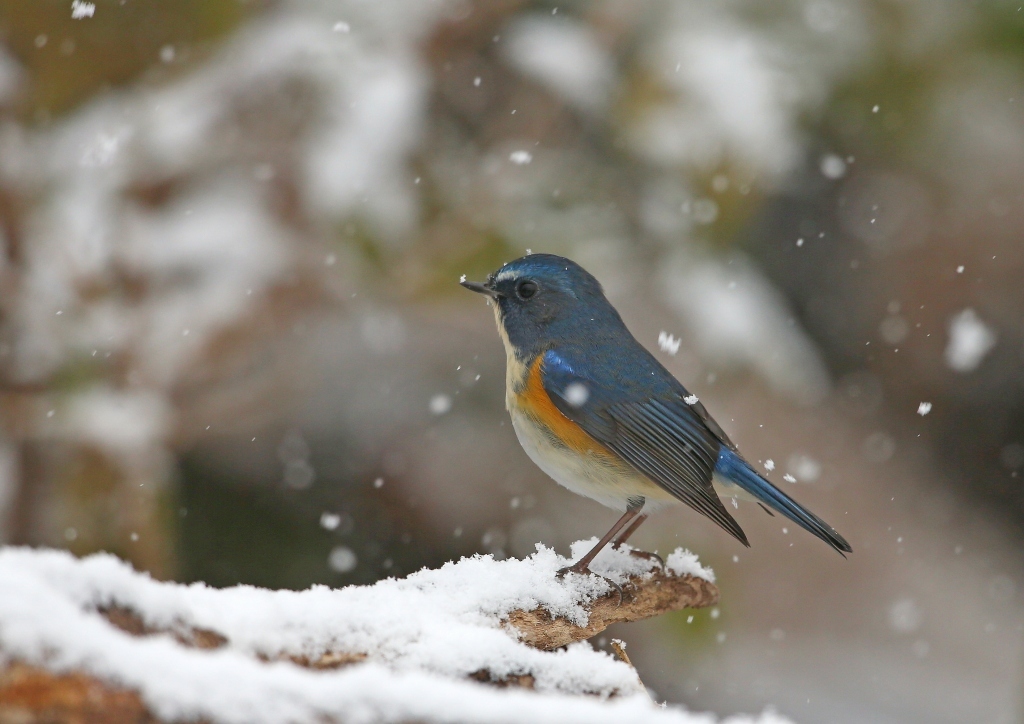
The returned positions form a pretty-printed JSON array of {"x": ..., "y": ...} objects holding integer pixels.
[{"x": 233, "y": 348}]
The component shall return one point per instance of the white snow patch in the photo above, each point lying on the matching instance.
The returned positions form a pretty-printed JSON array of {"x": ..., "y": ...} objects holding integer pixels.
[
  {"x": 668, "y": 343},
  {"x": 970, "y": 339},
  {"x": 683, "y": 562},
  {"x": 424, "y": 635},
  {"x": 691, "y": 399}
]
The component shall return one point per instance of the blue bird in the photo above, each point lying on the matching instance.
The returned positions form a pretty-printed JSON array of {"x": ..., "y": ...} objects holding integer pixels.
[{"x": 601, "y": 416}]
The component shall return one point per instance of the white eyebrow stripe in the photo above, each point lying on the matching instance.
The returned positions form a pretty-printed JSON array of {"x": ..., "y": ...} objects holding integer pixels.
[{"x": 502, "y": 276}]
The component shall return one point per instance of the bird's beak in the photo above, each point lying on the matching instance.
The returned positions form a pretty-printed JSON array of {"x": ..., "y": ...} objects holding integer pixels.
[{"x": 480, "y": 288}]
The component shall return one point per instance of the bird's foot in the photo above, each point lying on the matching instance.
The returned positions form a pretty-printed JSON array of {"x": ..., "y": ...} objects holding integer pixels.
[
  {"x": 584, "y": 571},
  {"x": 647, "y": 556}
]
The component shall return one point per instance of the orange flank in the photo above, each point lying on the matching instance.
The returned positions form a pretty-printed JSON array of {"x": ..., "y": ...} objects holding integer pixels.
[{"x": 533, "y": 400}]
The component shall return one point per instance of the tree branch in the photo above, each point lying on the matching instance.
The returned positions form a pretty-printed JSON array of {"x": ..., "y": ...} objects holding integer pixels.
[
  {"x": 30, "y": 692},
  {"x": 641, "y": 598}
]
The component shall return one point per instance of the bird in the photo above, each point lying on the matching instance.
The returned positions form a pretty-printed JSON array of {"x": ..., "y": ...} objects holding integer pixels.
[{"x": 597, "y": 412}]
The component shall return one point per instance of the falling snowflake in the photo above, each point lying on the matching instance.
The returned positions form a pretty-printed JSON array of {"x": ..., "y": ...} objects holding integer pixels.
[
  {"x": 80, "y": 9},
  {"x": 924, "y": 408},
  {"x": 690, "y": 399},
  {"x": 970, "y": 340},
  {"x": 833, "y": 167},
  {"x": 577, "y": 394},
  {"x": 342, "y": 559},
  {"x": 440, "y": 404},
  {"x": 668, "y": 343}
]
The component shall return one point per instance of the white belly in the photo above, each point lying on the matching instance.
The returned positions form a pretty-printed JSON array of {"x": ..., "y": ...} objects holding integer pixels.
[{"x": 588, "y": 475}]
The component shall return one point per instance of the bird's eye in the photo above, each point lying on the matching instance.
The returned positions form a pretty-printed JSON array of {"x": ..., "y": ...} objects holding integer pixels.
[{"x": 526, "y": 289}]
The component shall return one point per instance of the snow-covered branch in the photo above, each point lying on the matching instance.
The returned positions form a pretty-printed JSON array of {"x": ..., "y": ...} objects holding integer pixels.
[
  {"x": 412, "y": 649},
  {"x": 643, "y": 596}
]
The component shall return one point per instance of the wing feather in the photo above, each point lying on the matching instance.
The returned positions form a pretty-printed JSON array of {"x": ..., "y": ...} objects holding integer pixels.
[
  {"x": 637, "y": 452},
  {"x": 661, "y": 437},
  {"x": 678, "y": 453}
]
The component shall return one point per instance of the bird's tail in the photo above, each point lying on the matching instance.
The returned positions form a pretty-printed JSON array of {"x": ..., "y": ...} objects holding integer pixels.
[{"x": 736, "y": 470}]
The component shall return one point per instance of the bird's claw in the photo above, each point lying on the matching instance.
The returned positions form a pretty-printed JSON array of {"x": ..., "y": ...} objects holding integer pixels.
[
  {"x": 648, "y": 556},
  {"x": 645, "y": 555},
  {"x": 584, "y": 571}
]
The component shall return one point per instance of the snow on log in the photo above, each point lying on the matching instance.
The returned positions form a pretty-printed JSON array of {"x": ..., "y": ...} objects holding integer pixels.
[
  {"x": 93, "y": 639},
  {"x": 652, "y": 594}
]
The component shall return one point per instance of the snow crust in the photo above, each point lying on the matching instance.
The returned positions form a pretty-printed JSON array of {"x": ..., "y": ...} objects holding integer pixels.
[{"x": 423, "y": 635}]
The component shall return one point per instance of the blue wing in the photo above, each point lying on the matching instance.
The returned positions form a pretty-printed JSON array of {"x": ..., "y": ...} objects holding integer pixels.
[{"x": 651, "y": 427}]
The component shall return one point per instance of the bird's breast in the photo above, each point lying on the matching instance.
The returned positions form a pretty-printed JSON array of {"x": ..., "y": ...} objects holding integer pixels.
[
  {"x": 531, "y": 399},
  {"x": 563, "y": 450}
]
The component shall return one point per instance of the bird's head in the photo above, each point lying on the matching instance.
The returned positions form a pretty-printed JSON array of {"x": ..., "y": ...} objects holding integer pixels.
[{"x": 544, "y": 299}]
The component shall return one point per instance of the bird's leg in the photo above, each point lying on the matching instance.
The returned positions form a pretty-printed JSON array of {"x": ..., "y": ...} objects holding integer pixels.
[
  {"x": 582, "y": 565},
  {"x": 624, "y": 536}
]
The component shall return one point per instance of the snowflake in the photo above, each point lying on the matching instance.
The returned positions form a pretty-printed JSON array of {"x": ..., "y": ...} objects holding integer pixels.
[
  {"x": 81, "y": 9},
  {"x": 668, "y": 343}
]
